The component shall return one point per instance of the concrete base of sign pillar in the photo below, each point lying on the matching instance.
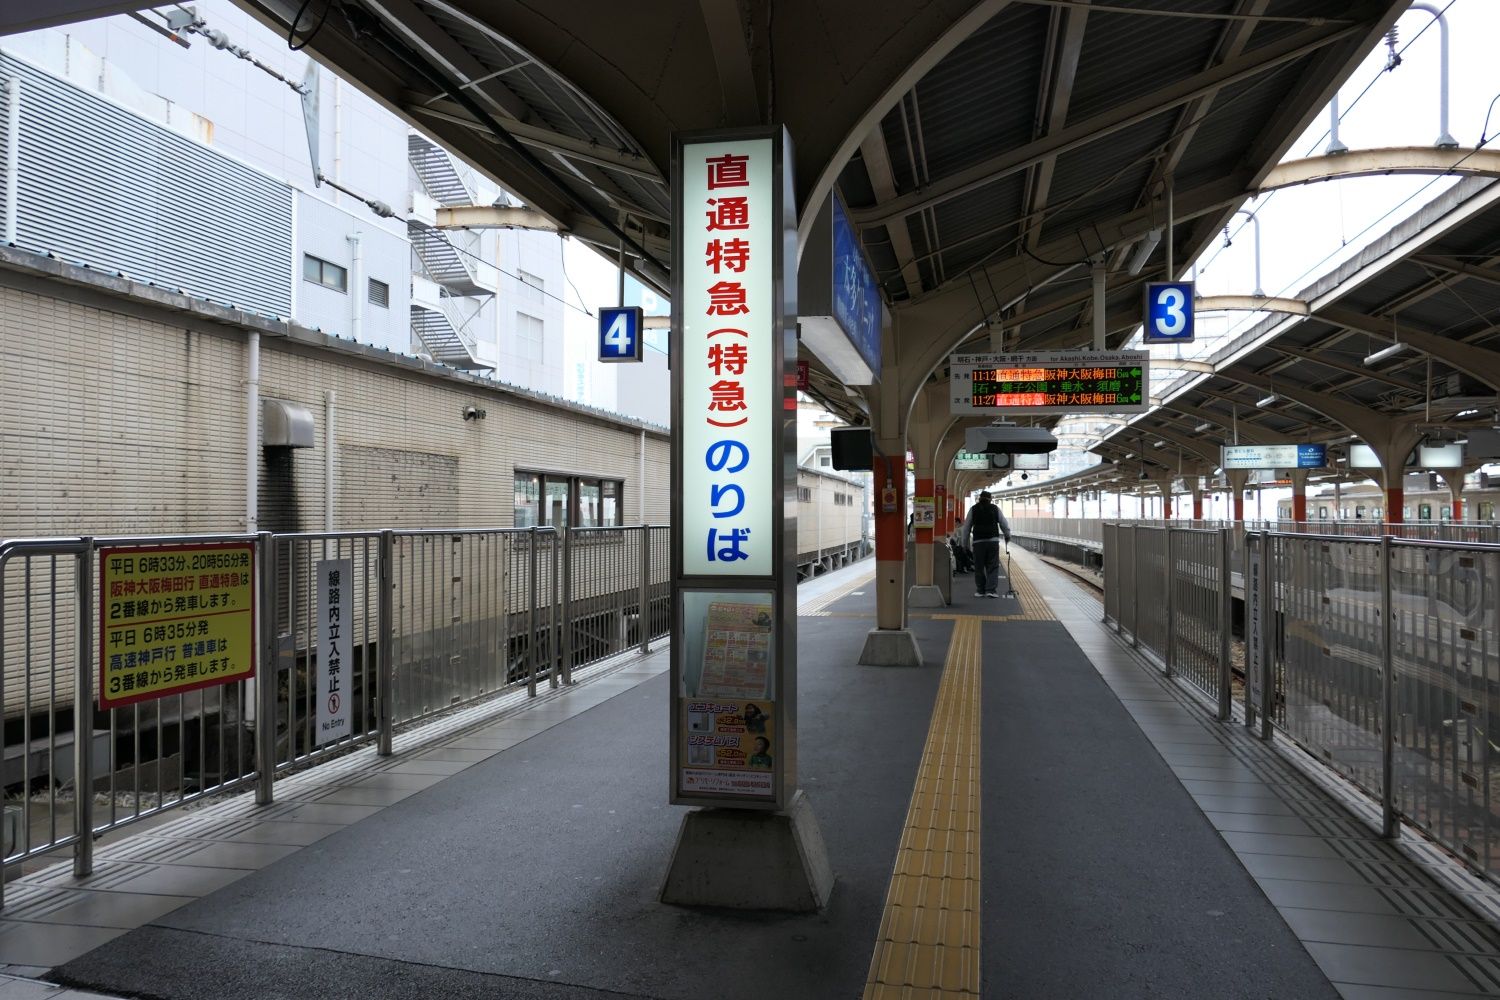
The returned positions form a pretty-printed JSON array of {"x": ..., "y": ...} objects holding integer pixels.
[
  {"x": 890, "y": 647},
  {"x": 745, "y": 859},
  {"x": 925, "y": 596}
]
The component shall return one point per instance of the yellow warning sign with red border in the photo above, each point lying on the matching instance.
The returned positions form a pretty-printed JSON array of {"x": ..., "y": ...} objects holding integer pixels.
[{"x": 174, "y": 618}]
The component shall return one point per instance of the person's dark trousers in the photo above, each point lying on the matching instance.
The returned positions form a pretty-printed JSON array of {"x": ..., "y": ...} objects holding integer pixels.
[{"x": 986, "y": 565}]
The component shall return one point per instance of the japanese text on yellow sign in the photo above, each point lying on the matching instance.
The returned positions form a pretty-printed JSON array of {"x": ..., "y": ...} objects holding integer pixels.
[{"x": 173, "y": 619}]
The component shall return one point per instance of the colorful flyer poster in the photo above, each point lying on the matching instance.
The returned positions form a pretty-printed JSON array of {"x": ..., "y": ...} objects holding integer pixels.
[
  {"x": 736, "y": 651},
  {"x": 727, "y": 746}
]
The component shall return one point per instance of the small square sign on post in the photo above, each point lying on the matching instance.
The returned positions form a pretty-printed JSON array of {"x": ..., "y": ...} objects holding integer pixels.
[
  {"x": 1168, "y": 313},
  {"x": 621, "y": 330}
]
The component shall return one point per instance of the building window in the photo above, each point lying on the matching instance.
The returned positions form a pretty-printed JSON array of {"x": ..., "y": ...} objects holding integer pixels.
[
  {"x": 555, "y": 500},
  {"x": 528, "y": 492},
  {"x": 804, "y": 493},
  {"x": 380, "y": 294},
  {"x": 530, "y": 333},
  {"x": 321, "y": 272},
  {"x": 533, "y": 289}
]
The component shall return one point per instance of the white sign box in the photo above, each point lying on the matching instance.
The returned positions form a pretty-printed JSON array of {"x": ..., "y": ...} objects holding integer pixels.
[{"x": 731, "y": 407}]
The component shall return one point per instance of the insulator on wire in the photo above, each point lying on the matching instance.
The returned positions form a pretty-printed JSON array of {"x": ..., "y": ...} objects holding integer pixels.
[{"x": 1393, "y": 58}]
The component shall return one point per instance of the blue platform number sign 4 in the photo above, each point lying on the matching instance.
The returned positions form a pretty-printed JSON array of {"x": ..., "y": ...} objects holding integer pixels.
[
  {"x": 1169, "y": 312},
  {"x": 620, "y": 333}
]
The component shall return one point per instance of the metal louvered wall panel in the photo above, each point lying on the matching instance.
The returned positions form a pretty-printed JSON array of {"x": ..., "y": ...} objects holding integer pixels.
[{"x": 105, "y": 187}]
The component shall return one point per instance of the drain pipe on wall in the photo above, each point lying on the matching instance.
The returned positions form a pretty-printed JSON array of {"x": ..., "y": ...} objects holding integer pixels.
[
  {"x": 330, "y": 398},
  {"x": 12, "y": 154},
  {"x": 356, "y": 287},
  {"x": 252, "y": 434}
]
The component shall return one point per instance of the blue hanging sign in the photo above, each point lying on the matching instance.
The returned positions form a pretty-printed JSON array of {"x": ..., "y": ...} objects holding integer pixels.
[
  {"x": 1168, "y": 312},
  {"x": 620, "y": 333}
]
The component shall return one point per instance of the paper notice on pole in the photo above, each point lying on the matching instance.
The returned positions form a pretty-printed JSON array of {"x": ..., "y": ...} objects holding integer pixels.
[{"x": 736, "y": 651}]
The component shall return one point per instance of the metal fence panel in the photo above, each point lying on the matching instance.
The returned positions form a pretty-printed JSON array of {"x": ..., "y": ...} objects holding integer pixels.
[
  {"x": 1110, "y": 535},
  {"x": 1150, "y": 595},
  {"x": 1445, "y": 672},
  {"x": 1197, "y": 608},
  {"x": 1328, "y": 657}
]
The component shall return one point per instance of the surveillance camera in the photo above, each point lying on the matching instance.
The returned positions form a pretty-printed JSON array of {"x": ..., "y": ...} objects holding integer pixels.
[
  {"x": 1025, "y": 476},
  {"x": 473, "y": 413}
]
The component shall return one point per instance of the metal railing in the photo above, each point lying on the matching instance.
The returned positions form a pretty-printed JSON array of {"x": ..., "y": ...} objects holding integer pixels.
[
  {"x": 435, "y": 619},
  {"x": 1168, "y": 588},
  {"x": 1379, "y": 656}
]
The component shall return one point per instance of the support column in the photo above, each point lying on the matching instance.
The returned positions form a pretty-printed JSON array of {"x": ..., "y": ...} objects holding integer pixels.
[
  {"x": 1299, "y": 495},
  {"x": 1237, "y": 479},
  {"x": 889, "y": 643},
  {"x": 1198, "y": 500}
]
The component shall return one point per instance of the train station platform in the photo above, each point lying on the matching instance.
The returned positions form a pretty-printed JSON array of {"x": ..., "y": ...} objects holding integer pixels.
[{"x": 1131, "y": 847}]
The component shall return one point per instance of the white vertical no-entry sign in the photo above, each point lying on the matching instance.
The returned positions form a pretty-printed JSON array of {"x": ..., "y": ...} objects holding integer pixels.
[{"x": 335, "y": 621}]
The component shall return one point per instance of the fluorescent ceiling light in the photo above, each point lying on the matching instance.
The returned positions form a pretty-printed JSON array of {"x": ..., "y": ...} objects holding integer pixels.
[
  {"x": 1268, "y": 400},
  {"x": 1144, "y": 251},
  {"x": 1202, "y": 427},
  {"x": 1385, "y": 352}
]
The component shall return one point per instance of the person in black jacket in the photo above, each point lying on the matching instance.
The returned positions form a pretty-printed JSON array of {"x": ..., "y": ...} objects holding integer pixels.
[{"x": 982, "y": 531}]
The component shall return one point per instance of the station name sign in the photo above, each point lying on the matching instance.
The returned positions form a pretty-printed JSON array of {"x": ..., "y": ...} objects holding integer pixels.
[
  {"x": 1051, "y": 382},
  {"x": 1274, "y": 456}
]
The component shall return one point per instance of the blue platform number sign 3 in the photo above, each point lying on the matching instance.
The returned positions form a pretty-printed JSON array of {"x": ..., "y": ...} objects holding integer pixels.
[
  {"x": 1169, "y": 312},
  {"x": 620, "y": 333}
]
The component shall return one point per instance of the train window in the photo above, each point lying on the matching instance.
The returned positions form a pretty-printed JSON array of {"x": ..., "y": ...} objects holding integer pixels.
[
  {"x": 1486, "y": 511},
  {"x": 1322, "y": 513},
  {"x": 1359, "y": 512},
  {"x": 1424, "y": 512},
  {"x": 1447, "y": 513},
  {"x": 528, "y": 492}
]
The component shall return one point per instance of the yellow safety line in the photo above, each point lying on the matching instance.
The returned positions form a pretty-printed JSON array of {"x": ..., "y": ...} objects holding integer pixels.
[{"x": 928, "y": 944}]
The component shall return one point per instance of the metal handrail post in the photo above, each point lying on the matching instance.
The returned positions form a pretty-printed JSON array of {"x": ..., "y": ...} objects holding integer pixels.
[
  {"x": 83, "y": 714},
  {"x": 531, "y": 537},
  {"x": 645, "y": 598},
  {"x": 385, "y": 654},
  {"x": 1135, "y": 588},
  {"x": 1226, "y": 622},
  {"x": 267, "y": 678},
  {"x": 554, "y": 623},
  {"x": 566, "y": 651},
  {"x": 1169, "y": 657},
  {"x": 1268, "y": 642},
  {"x": 1389, "y": 823}
]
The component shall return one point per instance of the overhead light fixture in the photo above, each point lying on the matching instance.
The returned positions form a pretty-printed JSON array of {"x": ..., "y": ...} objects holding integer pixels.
[
  {"x": 1159, "y": 444},
  {"x": 1383, "y": 353},
  {"x": 1268, "y": 400},
  {"x": 1202, "y": 427},
  {"x": 1144, "y": 251}
]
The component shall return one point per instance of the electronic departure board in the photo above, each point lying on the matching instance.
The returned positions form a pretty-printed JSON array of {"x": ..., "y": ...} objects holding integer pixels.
[{"x": 1051, "y": 382}]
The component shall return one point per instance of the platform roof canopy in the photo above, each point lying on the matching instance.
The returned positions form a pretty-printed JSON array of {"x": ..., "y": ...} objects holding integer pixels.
[
  {"x": 1323, "y": 369},
  {"x": 988, "y": 150}
]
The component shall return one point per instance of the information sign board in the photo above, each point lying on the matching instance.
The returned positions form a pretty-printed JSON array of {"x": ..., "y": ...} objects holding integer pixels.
[
  {"x": 966, "y": 461},
  {"x": 1168, "y": 313},
  {"x": 335, "y": 622},
  {"x": 620, "y": 329},
  {"x": 924, "y": 512},
  {"x": 733, "y": 457},
  {"x": 1050, "y": 382},
  {"x": 174, "y": 618},
  {"x": 1273, "y": 456}
]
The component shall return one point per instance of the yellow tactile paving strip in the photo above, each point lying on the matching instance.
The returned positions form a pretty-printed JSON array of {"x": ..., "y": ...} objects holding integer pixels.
[{"x": 928, "y": 946}]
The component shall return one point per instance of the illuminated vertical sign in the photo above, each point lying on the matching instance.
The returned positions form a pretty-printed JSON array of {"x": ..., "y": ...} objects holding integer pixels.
[
  {"x": 730, "y": 406},
  {"x": 733, "y": 503}
]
